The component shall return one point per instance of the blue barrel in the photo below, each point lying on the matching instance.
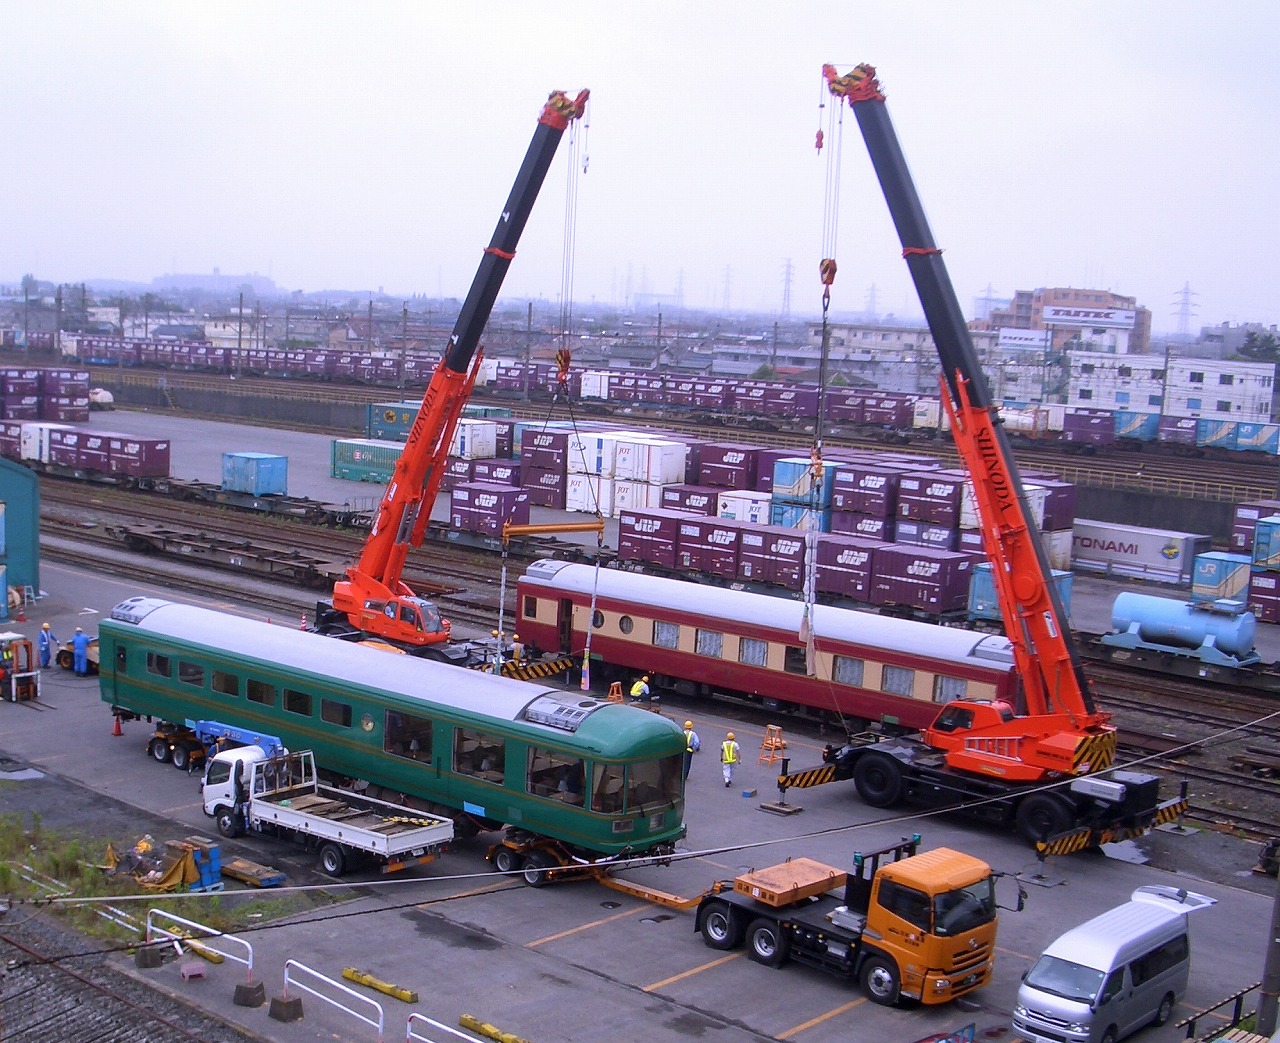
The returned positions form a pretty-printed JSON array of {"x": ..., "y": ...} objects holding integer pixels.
[{"x": 1161, "y": 621}]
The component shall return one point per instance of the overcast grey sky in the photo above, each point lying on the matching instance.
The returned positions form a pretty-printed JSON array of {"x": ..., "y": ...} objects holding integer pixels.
[{"x": 1129, "y": 146}]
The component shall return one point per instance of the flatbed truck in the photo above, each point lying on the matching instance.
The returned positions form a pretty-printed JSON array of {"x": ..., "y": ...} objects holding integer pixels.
[
  {"x": 904, "y": 924},
  {"x": 249, "y": 789}
]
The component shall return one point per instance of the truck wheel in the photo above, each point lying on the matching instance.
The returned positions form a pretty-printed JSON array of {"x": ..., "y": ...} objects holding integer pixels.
[
  {"x": 720, "y": 928},
  {"x": 181, "y": 757},
  {"x": 535, "y": 867},
  {"x": 506, "y": 860},
  {"x": 228, "y": 822},
  {"x": 159, "y": 750},
  {"x": 333, "y": 860},
  {"x": 880, "y": 981},
  {"x": 878, "y": 779},
  {"x": 767, "y": 944},
  {"x": 1041, "y": 815}
]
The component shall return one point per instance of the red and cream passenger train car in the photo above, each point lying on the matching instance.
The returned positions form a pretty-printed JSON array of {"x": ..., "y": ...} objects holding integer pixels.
[{"x": 707, "y": 640}]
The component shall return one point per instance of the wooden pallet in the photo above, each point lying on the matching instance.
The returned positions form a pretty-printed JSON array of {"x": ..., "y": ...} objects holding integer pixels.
[{"x": 252, "y": 873}]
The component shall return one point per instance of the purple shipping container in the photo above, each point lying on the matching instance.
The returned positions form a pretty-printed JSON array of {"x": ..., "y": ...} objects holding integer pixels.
[
  {"x": 64, "y": 447},
  {"x": 61, "y": 414},
  {"x": 728, "y": 465},
  {"x": 19, "y": 387},
  {"x": 765, "y": 460},
  {"x": 692, "y": 499},
  {"x": 934, "y": 582},
  {"x": 933, "y": 497},
  {"x": 791, "y": 402},
  {"x": 139, "y": 457},
  {"x": 94, "y": 452},
  {"x": 844, "y": 565},
  {"x": 486, "y": 506},
  {"x": 1177, "y": 430},
  {"x": 1090, "y": 427},
  {"x": 545, "y": 450},
  {"x": 64, "y": 381},
  {"x": 1059, "y": 504},
  {"x": 845, "y": 407},
  {"x": 860, "y": 488},
  {"x": 506, "y": 439},
  {"x": 546, "y": 488},
  {"x": 455, "y": 473},
  {"x": 1264, "y": 596},
  {"x": 1245, "y": 520},
  {"x": 649, "y": 536},
  {"x": 27, "y": 408},
  {"x": 504, "y": 472},
  {"x": 922, "y": 534},
  {"x": 711, "y": 394},
  {"x": 709, "y": 545},
  {"x": 888, "y": 411},
  {"x": 772, "y": 555},
  {"x": 970, "y": 542},
  {"x": 848, "y": 524}
]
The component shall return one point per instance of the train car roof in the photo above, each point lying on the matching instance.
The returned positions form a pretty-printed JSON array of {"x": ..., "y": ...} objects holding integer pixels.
[
  {"x": 409, "y": 677},
  {"x": 777, "y": 613}
]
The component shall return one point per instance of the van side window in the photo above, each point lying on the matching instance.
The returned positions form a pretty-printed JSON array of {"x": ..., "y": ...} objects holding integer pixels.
[
  {"x": 1160, "y": 959},
  {"x": 1111, "y": 987}
]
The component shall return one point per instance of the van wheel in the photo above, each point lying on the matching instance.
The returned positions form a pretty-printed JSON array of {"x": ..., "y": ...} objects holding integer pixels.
[
  {"x": 159, "y": 750},
  {"x": 505, "y": 860},
  {"x": 1109, "y": 1036},
  {"x": 1165, "y": 1011},
  {"x": 880, "y": 982},
  {"x": 767, "y": 944},
  {"x": 878, "y": 779},
  {"x": 333, "y": 860}
]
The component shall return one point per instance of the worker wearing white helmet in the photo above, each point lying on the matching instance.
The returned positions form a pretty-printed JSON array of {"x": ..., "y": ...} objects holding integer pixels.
[{"x": 730, "y": 754}]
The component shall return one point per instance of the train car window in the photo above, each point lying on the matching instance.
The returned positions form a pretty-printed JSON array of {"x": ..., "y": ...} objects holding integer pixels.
[
  {"x": 158, "y": 664},
  {"x": 334, "y": 712},
  {"x": 261, "y": 692},
  {"x": 406, "y": 735},
  {"x": 626, "y": 624},
  {"x": 478, "y": 755},
  {"x": 709, "y": 643},
  {"x": 225, "y": 684},
  {"x": 794, "y": 661},
  {"x": 529, "y": 608},
  {"x": 554, "y": 775},
  {"x": 945, "y": 689},
  {"x": 847, "y": 670},
  {"x": 597, "y": 620},
  {"x": 606, "y": 788},
  {"x": 191, "y": 673},
  {"x": 897, "y": 680},
  {"x": 297, "y": 702},
  {"x": 753, "y": 652},
  {"x": 122, "y": 660},
  {"x": 653, "y": 783},
  {"x": 666, "y": 635}
]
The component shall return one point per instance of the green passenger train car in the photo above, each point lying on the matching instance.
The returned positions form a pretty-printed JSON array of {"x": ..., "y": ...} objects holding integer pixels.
[{"x": 599, "y": 779}]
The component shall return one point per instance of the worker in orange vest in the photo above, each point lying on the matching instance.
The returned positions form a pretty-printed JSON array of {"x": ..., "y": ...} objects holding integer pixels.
[{"x": 730, "y": 754}]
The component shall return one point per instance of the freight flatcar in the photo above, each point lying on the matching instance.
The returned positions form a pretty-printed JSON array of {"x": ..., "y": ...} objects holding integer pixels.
[
  {"x": 716, "y": 641},
  {"x": 572, "y": 777}
]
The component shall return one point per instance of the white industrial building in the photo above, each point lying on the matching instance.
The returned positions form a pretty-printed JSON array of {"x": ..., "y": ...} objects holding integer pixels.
[{"x": 1209, "y": 388}]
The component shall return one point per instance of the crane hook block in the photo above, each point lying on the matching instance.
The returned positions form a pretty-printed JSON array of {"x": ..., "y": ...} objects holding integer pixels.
[
  {"x": 817, "y": 142},
  {"x": 827, "y": 269}
]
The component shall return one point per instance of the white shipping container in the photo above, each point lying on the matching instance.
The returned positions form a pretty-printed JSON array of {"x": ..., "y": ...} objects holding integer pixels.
[
  {"x": 589, "y": 493},
  {"x": 488, "y": 372},
  {"x": 744, "y": 506},
  {"x": 474, "y": 440},
  {"x": 592, "y": 453},
  {"x": 927, "y": 415},
  {"x": 595, "y": 384},
  {"x": 1129, "y": 550},
  {"x": 653, "y": 461},
  {"x": 33, "y": 444},
  {"x": 1057, "y": 547},
  {"x": 1055, "y": 416},
  {"x": 635, "y": 496},
  {"x": 1037, "y": 497}
]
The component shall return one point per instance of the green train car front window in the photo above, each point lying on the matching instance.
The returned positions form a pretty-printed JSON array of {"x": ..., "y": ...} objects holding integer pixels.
[{"x": 635, "y": 787}]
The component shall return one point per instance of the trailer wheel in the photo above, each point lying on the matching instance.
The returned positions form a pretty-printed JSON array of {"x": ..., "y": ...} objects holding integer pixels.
[
  {"x": 228, "y": 822},
  {"x": 1041, "y": 815},
  {"x": 767, "y": 944},
  {"x": 181, "y": 757},
  {"x": 880, "y": 981},
  {"x": 333, "y": 860},
  {"x": 506, "y": 860},
  {"x": 535, "y": 868},
  {"x": 878, "y": 779},
  {"x": 720, "y": 928},
  {"x": 159, "y": 750}
]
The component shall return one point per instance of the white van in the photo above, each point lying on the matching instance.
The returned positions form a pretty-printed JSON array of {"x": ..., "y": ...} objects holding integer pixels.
[{"x": 1109, "y": 977}]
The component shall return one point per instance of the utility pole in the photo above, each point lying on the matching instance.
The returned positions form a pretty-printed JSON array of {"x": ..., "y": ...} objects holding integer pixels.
[
  {"x": 240, "y": 332},
  {"x": 773, "y": 356},
  {"x": 404, "y": 338},
  {"x": 369, "y": 339},
  {"x": 57, "y": 317},
  {"x": 528, "y": 349}
]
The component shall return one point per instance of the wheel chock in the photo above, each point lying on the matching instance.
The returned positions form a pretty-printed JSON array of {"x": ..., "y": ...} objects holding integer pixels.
[{"x": 398, "y": 992}]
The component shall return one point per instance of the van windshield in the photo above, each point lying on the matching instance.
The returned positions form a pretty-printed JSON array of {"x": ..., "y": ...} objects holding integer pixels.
[{"x": 1066, "y": 979}]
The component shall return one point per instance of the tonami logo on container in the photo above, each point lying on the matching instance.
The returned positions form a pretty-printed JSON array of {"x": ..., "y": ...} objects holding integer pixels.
[
  {"x": 923, "y": 569},
  {"x": 1109, "y": 546}
]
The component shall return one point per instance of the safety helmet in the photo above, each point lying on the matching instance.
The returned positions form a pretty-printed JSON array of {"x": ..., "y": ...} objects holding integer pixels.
[
  {"x": 645, "y": 678},
  {"x": 729, "y": 736},
  {"x": 44, "y": 626},
  {"x": 688, "y": 724}
]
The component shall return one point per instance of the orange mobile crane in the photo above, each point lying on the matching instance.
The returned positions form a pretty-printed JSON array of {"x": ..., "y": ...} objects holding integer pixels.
[
  {"x": 373, "y": 599},
  {"x": 1038, "y": 768}
]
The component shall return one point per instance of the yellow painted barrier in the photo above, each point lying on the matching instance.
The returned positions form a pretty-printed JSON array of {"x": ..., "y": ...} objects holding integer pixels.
[
  {"x": 398, "y": 992},
  {"x": 483, "y": 1028}
]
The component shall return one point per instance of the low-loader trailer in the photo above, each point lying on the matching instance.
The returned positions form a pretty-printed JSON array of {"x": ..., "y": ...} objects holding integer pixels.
[{"x": 247, "y": 789}]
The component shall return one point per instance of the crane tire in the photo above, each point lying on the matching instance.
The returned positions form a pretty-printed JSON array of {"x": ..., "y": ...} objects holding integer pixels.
[{"x": 878, "y": 778}]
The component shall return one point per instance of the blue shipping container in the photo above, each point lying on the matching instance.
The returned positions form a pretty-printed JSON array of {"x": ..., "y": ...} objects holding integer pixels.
[
  {"x": 1262, "y": 438},
  {"x": 797, "y": 516},
  {"x": 1217, "y": 575},
  {"x": 1143, "y": 427},
  {"x": 1266, "y": 542},
  {"x": 793, "y": 481},
  {"x": 983, "y": 603},
  {"x": 1217, "y": 434},
  {"x": 259, "y": 474}
]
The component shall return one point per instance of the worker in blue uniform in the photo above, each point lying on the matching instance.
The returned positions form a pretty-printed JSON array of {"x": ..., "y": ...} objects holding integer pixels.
[
  {"x": 80, "y": 646},
  {"x": 47, "y": 642}
]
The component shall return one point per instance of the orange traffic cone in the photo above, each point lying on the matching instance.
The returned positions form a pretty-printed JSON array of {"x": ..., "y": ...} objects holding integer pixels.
[
  {"x": 22, "y": 613},
  {"x": 302, "y": 625},
  {"x": 117, "y": 730}
]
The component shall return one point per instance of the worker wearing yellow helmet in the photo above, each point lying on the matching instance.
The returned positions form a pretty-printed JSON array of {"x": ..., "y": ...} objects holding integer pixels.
[
  {"x": 640, "y": 690},
  {"x": 47, "y": 644},
  {"x": 730, "y": 754},
  {"x": 692, "y": 744}
]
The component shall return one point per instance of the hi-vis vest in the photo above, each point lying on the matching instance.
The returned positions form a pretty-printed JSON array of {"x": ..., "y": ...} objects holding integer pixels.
[
  {"x": 729, "y": 752},
  {"x": 637, "y": 689},
  {"x": 688, "y": 741}
]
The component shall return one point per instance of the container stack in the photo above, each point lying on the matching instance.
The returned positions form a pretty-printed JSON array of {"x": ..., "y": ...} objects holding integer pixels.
[
  {"x": 1264, "y": 583},
  {"x": 19, "y": 393},
  {"x": 864, "y": 499},
  {"x": 642, "y": 466},
  {"x": 794, "y": 505},
  {"x": 544, "y": 465}
]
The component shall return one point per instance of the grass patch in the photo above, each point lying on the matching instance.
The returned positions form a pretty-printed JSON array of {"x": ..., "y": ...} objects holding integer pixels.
[{"x": 36, "y": 863}]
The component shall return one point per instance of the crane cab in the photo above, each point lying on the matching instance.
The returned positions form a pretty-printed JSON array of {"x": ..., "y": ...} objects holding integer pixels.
[{"x": 411, "y": 619}]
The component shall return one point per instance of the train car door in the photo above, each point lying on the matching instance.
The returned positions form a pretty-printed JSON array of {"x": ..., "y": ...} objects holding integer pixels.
[{"x": 564, "y": 625}]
